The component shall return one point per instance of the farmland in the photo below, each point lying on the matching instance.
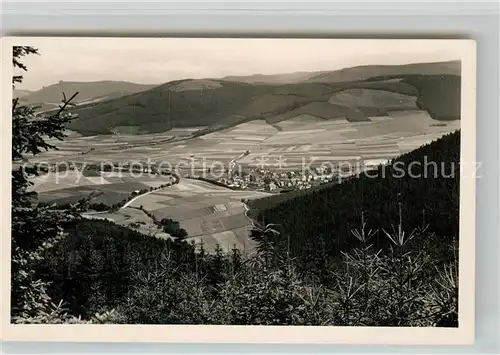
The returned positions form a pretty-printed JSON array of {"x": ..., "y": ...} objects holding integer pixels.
[
  {"x": 210, "y": 214},
  {"x": 304, "y": 136},
  {"x": 132, "y": 218},
  {"x": 214, "y": 214},
  {"x": 208, "y": 126},
  {"x": 355, "y": 93}
]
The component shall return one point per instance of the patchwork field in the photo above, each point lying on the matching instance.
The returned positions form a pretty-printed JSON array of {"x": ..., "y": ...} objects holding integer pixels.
[
  {"x": 196, "y": 85},
  {"x": 213, "y": 214}
]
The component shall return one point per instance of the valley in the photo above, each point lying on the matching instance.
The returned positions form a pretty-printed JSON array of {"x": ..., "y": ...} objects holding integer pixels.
[
  {"x": 320, "y": 197},
  {"x": 246, "y": 137},
  {"x": 304, "y": 136}
]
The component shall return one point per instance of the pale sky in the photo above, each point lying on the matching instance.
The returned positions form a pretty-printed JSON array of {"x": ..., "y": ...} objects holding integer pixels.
[{"x": 156, "y": 61}]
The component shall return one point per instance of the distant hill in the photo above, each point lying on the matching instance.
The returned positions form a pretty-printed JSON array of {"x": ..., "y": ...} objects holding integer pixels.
[
  {"x": 167, "y": 106},
  {"x": 50, "y": 96},
  {"x": 218, "y": 104},
  {"x": 21, "y": 93},
  {"x": 322, "y": 218}
]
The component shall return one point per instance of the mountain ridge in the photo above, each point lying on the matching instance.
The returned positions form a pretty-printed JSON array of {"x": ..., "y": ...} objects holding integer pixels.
[{"x": 217, "y": 104}]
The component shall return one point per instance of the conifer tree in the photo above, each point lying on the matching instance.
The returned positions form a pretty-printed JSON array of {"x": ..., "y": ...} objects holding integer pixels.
[{"x": 34, "y": 229}]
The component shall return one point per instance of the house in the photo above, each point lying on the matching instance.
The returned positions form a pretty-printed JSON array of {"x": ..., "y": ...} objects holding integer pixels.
[{"x": 271, "y": 186}]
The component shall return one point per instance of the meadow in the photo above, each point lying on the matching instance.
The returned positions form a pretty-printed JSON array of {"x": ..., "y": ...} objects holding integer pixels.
[
  {"x": 71, "y": 186},
  {"x": 132, "y": 218},
  {"x": 308, "y": 274},
  {"x": 211, "y": 214}
]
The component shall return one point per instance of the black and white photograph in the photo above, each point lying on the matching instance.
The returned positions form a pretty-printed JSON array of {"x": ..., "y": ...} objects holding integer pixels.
[{"x": 239, "y": 182}]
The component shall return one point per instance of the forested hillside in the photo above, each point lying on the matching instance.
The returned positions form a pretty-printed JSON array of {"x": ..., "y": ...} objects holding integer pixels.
[
  {"x": 438, "y": 94},
  {"x": 365, "y": 72},
  {"x": 322, "y": 219}
]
